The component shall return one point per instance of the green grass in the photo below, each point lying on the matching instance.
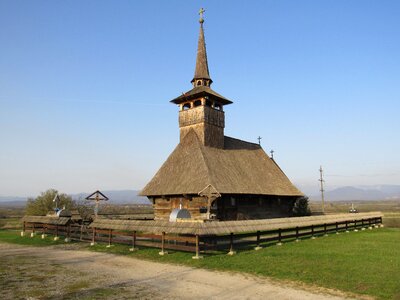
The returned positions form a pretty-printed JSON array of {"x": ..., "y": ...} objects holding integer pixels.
[
  {"x": 13, "y": 236},
  {"x": 364, "y": 262}
]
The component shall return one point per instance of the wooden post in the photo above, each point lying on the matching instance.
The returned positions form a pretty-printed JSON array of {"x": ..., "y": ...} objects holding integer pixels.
[
  {"x": 337, "y": 227},
  {"x": 93, "y": 236},
  {"x": 197, "y": 256},
  {"x": 297, "y": 234},
  {"x": 109, "y": 238},
  {"x": 258, "y": 247},
  {"x": 362, "y": 224},
  {"x": 133, "y": 242},
  {"x": 347, "y": 226},
  {"x": 33, "y": 230},
  {"x": 355, "y": 225},
  {"x": 68, "y": 238},
  {"x": 369, "y": 223},
  {"x": 44, "y": 231},
  {"x": 312, "y": 232},
  {"x": 325, "y": 231},
  {"x": 23, "y": 228},
  {"x": 162, "y": 245},
  {"x": 279, "y": 237},
  {"x": 231, "y": 251},
  {"x": 56, "y": 237}
]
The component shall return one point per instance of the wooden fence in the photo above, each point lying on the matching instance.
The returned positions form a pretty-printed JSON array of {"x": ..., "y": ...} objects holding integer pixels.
[{"x": 194, "y": 242}]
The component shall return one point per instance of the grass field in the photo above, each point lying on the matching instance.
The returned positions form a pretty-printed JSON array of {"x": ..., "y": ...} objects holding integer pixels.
[{"x": 364, "y": 263}]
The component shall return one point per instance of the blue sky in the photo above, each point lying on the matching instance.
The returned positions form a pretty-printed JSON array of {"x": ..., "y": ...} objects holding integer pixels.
[{"x": 85, "y": 88}]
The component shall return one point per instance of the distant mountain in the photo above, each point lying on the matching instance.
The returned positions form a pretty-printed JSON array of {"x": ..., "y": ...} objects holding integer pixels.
[
  {"x": 117, "y": 197},
  {"x": 378, "y": 192},
  {"x": 12, "y": 199}
]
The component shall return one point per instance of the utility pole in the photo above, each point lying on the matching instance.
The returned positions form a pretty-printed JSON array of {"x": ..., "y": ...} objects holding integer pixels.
[{"x": 321, "y": 180}]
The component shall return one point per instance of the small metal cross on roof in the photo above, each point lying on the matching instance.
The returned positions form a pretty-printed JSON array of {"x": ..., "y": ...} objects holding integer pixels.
[
  {"x": 272, "y": 153},
  {"x": 201, "y": 12},
  {"x": 259, "y": 140},
  {"x": 57, "y": 200}
]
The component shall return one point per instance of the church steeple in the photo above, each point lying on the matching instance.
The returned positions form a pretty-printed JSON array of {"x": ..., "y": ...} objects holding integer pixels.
[
  {"x": 201, "y": 73},
  {"x": 201, "y": 109}
]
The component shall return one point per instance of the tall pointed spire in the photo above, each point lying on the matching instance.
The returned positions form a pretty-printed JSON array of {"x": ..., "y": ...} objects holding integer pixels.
[{"x": 201, "y": 73}]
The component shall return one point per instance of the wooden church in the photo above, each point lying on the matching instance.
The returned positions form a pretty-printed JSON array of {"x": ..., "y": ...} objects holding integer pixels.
[{"x": 211, "y": 175}]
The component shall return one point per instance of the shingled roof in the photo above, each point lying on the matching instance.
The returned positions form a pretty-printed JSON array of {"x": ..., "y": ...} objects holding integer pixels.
[
  {"x": 239, "y": 168},
  {"x": 201, "y": 91},
  {"x": 201, "y": 71}
]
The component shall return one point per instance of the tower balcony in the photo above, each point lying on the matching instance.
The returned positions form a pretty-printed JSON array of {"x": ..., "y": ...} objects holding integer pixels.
[{"x": 202, "y": 114}]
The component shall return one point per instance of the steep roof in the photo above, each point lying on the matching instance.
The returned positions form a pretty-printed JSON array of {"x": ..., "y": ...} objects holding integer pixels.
[
  {"x": 201, "y": 71},
  {"x": 239, "y": 168}
]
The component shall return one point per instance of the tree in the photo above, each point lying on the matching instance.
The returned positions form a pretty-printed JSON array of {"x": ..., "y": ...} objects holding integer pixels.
[
  {"x": 43, "y": 203},
  {"x": 301, "y": 208}
]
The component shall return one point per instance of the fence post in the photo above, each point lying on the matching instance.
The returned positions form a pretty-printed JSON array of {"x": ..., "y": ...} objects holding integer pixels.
[
  {"x": 355, "y": 226},
  {"x": 347, "y": 227},
  {"x": 133, "y": 242},
  {"x": 231, "y": 251},
  {"x": 68, "y": 238},
  {"x": 197, "y": 256},
  {"x": 56, "y": 237},
  {"x": 337, "y": 227},
  {"x": 109, "y": 238},
  {"x": 312, "y": 232},
  {"x": 93, "y": 236},
  {"x": 80, "y": 236},
  {"x": 369, "y": 224},
  {"x": 325, "y": 232},
  {"x": 279, "y": 237},
  {"x": 23, "y": 229},
  {"x": 258, "y": 247},
  {"x": 33, "y": 230},
  {"x": 297, "y": 234},
  {"x": 162, "y": 252},
  {"x": 362, "y": 224}
]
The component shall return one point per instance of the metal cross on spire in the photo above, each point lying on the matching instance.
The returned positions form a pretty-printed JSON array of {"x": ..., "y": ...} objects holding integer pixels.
[
  {"x": 272, "y": 153},
  {"x": 201, "y": 13},
  {"x": 259, "y": 140}
]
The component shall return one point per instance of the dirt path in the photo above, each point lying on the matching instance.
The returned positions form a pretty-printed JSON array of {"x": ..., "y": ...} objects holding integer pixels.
[{"x": 54, "y": 273}]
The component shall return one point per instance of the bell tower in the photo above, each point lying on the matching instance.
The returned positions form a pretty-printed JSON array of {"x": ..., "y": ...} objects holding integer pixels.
[{"x": 201, "y": 108}]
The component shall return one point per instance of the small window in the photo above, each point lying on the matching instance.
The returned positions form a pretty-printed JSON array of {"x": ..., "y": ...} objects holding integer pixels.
[
  {"x": 186, "y": 106},
  {"x": 197, "y": 103},
  {"x": 198, "y": 82},
  {"x": 208, "y": 103},
  {"x": 217, "y": 106}
]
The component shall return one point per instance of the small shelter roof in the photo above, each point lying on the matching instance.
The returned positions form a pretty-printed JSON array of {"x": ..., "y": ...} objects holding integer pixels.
[
  {"x": 54, "y": 220},
  {"x": 240, "y": 168}
]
